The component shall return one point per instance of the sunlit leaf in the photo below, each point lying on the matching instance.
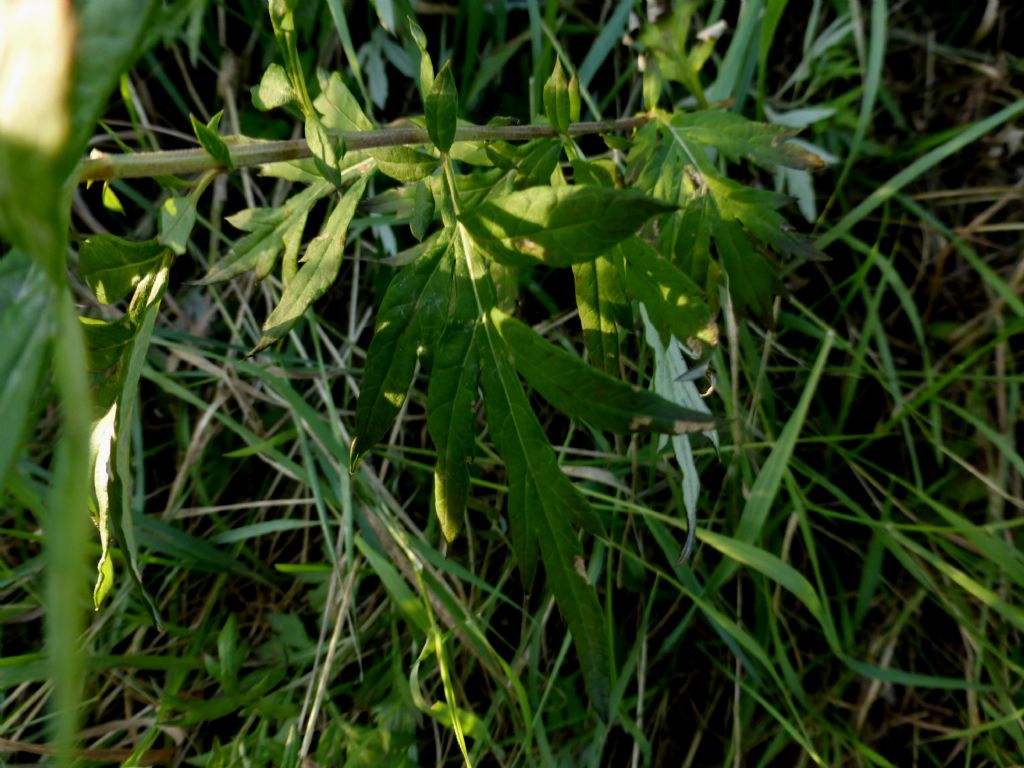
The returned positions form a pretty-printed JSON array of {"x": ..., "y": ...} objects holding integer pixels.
[
  {"x": 111, "y": 436},
  {"x": 405, "y": 163},
  {"x": 110, "y": 199},
  {"x": 603, "y": 307},
  {"x": 318, "y": 271},
  {"x": 339, "y": 108},
  {"x": 558, "y": 226},
  {"x": 327, "y": 150},
  {"x": 36, "y": 38},
  {"x": 426, "y": 80},
  {"x": 177, "y": 218},
  {"x": 737, "y": 137},
  {"x": 113, "y": 266},
  {"x": 274, "y": 89},
  {"x": 675, "y": 303}
]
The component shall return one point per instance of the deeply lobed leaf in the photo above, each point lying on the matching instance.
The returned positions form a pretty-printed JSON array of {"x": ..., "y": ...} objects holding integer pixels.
[
  {"x": 581, "y": 391},
  {"x": 410, "y": 316},
  {"x": 737, "y": 137},
  {"x": 318, "y": 271},
  {"x": 558, "y": 226}
]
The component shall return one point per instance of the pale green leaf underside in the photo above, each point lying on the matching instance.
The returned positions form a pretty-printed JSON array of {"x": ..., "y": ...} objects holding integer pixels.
[
  {"x": 177, "y": 218},
  {"x": 257, "y": 252},
  {"x": 558, "y": 226},
  {"x": 318, "y": 271}
]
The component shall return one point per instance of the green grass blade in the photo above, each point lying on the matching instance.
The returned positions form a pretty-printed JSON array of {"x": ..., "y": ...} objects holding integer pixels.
[{"x": 889, "y": 188}]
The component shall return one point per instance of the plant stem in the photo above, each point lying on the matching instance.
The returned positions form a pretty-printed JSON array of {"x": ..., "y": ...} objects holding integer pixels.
[{"x": 185, "y": 161}]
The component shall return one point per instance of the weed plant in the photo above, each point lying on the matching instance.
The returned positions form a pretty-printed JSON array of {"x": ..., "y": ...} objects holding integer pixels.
[{"x": 267, "y": 594}]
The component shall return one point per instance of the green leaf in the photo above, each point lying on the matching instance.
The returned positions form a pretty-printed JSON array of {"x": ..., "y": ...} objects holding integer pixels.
[
  {"x": 327, "y": 151},
  {"x": 756, "y": 210},
  {"x": 574, "y": 98},
  {"x": 318, "y": 271},
  {"x": 113, "y": 266},
  {"x": 274, "y": 89},
  {"x": 110, "y": 199},
  {"x": 282, "y": 18},
  {"x": 752, "y": 280},
  {"x": 603, "y": 307},
  {"x": 111, "y": 437},
  {"x": 539, "y": 161},
  {"x": 454, "y": 378},
  {"x": 405, "y": 163},
  {"x": 442, "y": 109},
  {"x": 26, "y": 326},
  {"x": 415, "y": 305},
  {"x": 556, "y": 99},
  {"x": 106, "y": 341},
  {"x": 593, "y": 173},
  {"x": 452, "y": 393},
  {"x": 737, "y": 137},
  {"x": 668, "y": 40},
  {"x": 267, "y": 228},
  {"x": 422, "y": 211},
  {"x": 687, "y": 236},
  {"x": 211, "y": 141},
  {"x": 542, "y": 503},
  {"x": 339, "y": 107},
  {"x": 583, "y": 392},
  {"x": 177, "y": 218},
  {"x": 426, "y": 65},
  {"x": 558, "y": 226},
  {"x": 675, "y": 303}
]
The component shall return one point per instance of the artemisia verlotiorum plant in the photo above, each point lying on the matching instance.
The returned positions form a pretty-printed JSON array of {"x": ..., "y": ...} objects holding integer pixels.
[{"x": 651, "y": 229}]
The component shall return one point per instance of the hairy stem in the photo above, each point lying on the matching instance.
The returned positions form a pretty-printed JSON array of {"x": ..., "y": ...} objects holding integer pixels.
[{"x": 186, "y": 161}]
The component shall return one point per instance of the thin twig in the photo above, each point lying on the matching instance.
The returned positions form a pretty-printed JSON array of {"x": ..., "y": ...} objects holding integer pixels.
[{"x": 186, "y": 161}]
